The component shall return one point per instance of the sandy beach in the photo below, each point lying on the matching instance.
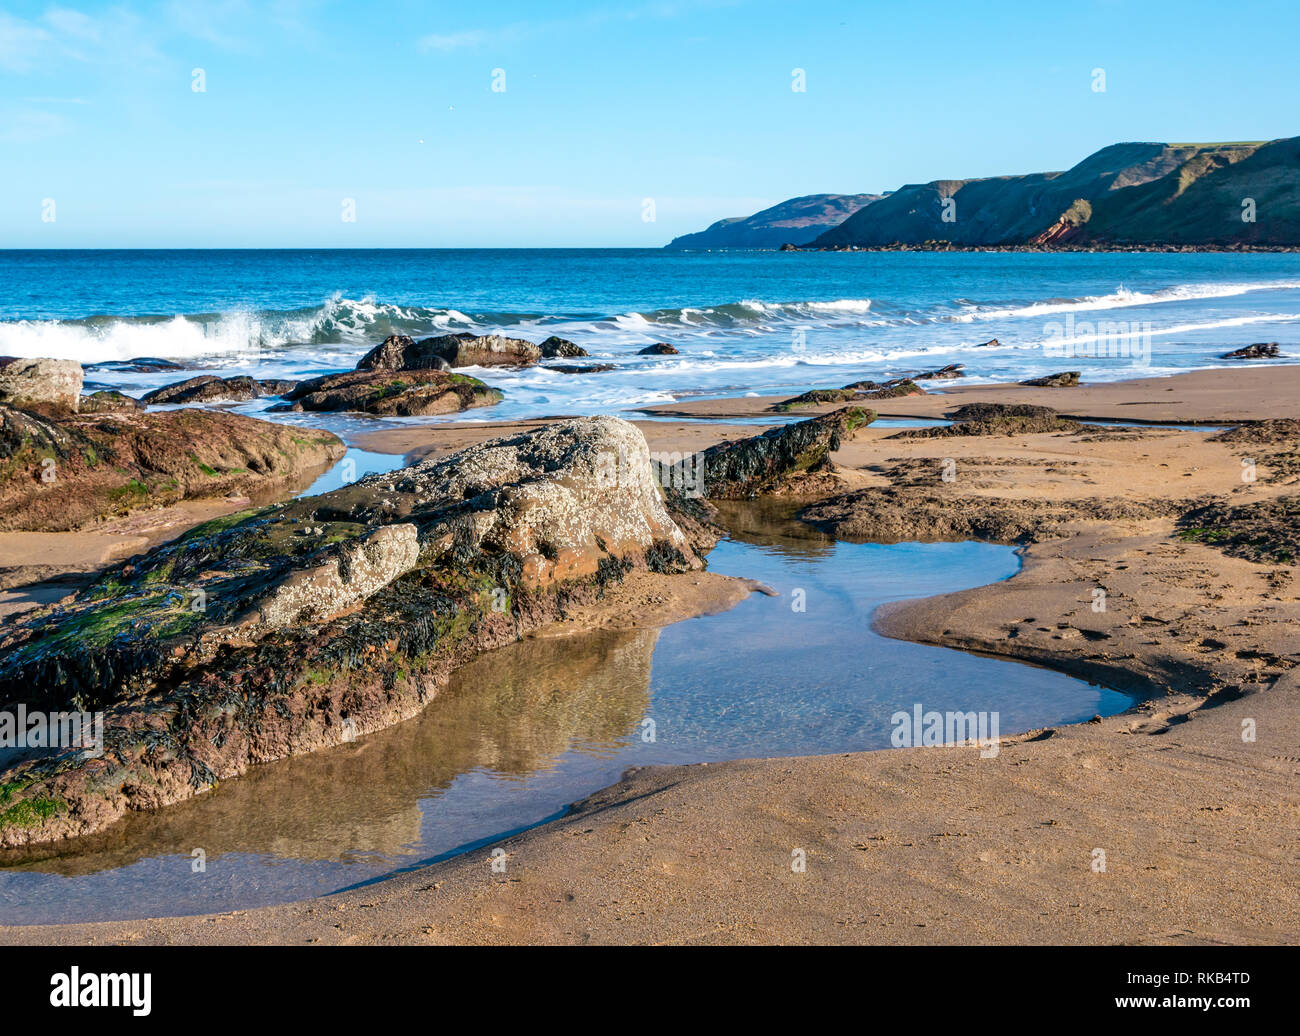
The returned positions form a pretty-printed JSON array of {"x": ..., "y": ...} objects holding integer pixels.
[{"x": 1175, "y": 822}]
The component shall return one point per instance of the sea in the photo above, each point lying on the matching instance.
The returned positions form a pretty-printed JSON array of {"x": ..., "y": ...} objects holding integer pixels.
[{"x": 744, "y": 323}]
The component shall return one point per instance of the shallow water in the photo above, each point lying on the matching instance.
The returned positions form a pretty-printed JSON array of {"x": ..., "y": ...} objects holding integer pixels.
[
  {"x": 525, "y": 730},
  {"x": 354, "y": 464}
]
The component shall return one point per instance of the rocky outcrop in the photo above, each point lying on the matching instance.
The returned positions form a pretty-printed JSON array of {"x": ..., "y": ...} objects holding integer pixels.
[
  {"x": 398, "y": 352},
  {"x": 24, "y": 382},
  {"x": 775, "y": 461},
  {"x": 1065, "y": 379},
  {"x": 562, "y": 347},
  {"x": 1265, "y": 531},
  {"x": 299, "y": 626},
  {"x": 995, "y": 419},
  {"x": 1256, "y": 351},
  {"x": 208, "y": 388},
  {"x": 953, "y": 370},
  {"x": 107, "y": 401},
  {"x": 342, "y": 575},
  {"x": 401, "y": 352},
  {"x": 892, "y": 514},
  {"x": 409, "y": 393},
  {"x": 136, "y": 365},
  {"x": 60, "y": 471},
  {"x": 859, "y": 391},
  {"x": 658, "y": 349}
]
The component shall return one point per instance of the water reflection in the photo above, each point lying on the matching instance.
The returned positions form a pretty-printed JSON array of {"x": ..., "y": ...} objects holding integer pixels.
[
  {"x": 511, "y": 714},
  {"x": 527, "y": 729}
]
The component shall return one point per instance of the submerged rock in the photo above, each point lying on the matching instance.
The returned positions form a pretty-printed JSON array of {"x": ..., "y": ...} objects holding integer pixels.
[
  {"x": 399, "y": 352},
  {"x": 658, "y": 349},
  {"x": 1256, "y": 351},
  {"x": 59, "y": 470},
  {"x": 136, "y": 365},
  {"x": 953, "y": 370},
  {"x": 391, "y": 393},
  {"x": 770, "y": 462},
  {"x": 24, "y": 382},
  {"x": 208, "y": 388},
  {"x": 303, "y": 625},
  {"x": 580, "y": 368}
]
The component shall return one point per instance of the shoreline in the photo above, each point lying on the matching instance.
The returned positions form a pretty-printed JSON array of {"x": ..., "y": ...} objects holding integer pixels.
[{"x": 700, "y": 853}]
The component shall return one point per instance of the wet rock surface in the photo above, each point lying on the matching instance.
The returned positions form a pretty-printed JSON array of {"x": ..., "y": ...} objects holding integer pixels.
[
  {"x": 1255, "y": 351},
  {"x": 107, "y": 401},
  {"x": 562, "y": 347},
  {"x": 580, "y": 368},
  {"x": 858, "y": 391},
  {"x": 407, "y": 393},
  {"x": 658, "y": 349},
  {"x": 399, "y": 352},
  {"x": 136, "y": 365},
  {"x": 293, "y": 627},
  {"x": 953, "y": 370},
  {"x": 1065, "y": 379},
  {"x": 995, "y": 419},
  {"x": 209, "y": 388}
]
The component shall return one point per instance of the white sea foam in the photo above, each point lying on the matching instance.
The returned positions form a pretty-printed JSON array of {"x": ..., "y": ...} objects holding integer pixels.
[
  {"x": 230, "y": 334},
  {"x": 1122, "y": 298}
]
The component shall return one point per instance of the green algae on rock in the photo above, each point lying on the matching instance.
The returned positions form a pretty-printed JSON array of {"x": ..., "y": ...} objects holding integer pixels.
[
  {"x": 859, "y": 391},
  {"x": 60, "y": 470},
  {"x": 306, "y": 624},
  {"x": 410, "y": 393},
  {"x": 769, "y": 462}
]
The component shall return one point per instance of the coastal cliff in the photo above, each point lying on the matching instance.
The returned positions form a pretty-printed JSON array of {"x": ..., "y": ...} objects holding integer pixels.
[
  {"x": 1211, "y": 195},
  {"x": 1142, "y": 195}
]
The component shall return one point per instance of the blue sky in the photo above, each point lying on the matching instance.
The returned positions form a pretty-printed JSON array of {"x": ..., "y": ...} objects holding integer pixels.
[{"x": 686, "y": 102}]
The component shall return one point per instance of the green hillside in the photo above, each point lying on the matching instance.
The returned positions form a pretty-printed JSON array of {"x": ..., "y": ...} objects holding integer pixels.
[{"x": 1133, "y": 193}]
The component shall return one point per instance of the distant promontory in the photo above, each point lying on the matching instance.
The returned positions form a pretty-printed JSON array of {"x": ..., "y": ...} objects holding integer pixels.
[
  {"x": 1142, "y": 195},
  {"x": 796, "y": 220}
]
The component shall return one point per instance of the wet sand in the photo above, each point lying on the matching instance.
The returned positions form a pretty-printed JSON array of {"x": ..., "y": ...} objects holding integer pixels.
[
  {"x": 1196, "y": 823},
  {"x": 1211, "y": 396}
]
